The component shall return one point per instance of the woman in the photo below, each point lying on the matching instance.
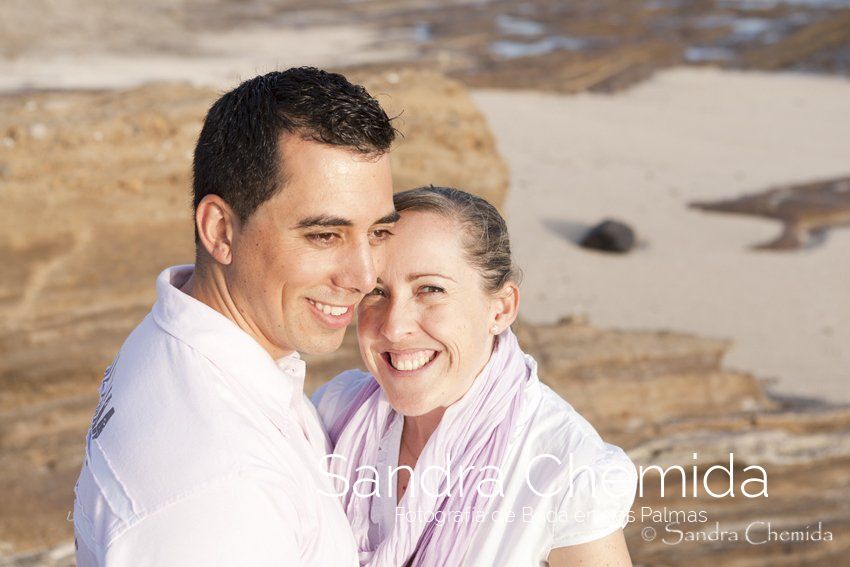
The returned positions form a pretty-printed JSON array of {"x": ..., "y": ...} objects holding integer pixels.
[{"x": 450, "y": 451}]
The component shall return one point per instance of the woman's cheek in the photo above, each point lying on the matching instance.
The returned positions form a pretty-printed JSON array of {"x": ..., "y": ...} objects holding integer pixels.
[
  {"x": 437, "y": 322},
  {"x": 368, "y": 319}
]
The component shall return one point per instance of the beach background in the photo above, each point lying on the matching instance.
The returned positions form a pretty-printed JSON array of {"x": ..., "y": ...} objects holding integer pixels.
[{"x": 718, "y": 130}]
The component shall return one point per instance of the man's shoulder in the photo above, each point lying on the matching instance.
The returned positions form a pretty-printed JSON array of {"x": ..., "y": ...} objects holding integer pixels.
[
  {"x": 168, "y": 423},
  {"x": 106, "y": 520}
]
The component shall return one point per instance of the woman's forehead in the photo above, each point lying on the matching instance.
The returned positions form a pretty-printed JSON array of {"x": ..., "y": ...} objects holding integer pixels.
[{"x": 424, "y": 242}]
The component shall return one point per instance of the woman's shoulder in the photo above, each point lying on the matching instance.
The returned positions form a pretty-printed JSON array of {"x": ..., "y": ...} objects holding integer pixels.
[
  {"x": 334, "y": 397},
  {"x": 595, "y": 481},
  {"x": 555, "y": 426},
  {"x": 564, "y": 437}
]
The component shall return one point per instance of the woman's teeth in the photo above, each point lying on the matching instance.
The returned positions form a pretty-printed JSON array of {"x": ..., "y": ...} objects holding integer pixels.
[
  {"x": 411, "y": 360},
  {"x": 330, "y": 309}
]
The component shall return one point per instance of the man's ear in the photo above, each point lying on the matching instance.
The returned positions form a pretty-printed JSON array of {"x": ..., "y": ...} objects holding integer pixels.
[
  {"x": 216, "y": 224},
  {"x": 506, "y": 304}
]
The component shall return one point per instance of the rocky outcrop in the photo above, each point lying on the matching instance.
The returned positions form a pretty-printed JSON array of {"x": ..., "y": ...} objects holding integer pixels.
[
  {"x": 669, "y": 402},
  {"x": 807, "y": 211},
  {"x": 445, "y": 139},
  {"x": 805, "y": 45}
]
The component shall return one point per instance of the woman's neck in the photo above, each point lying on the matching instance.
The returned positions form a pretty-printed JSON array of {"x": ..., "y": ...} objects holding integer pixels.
[{"x": 418, "y": 429}]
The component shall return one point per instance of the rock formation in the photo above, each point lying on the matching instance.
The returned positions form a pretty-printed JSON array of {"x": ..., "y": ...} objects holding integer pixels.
[
  {"x": 445, "y": 140},
  {"x": 807, "y": 211}
]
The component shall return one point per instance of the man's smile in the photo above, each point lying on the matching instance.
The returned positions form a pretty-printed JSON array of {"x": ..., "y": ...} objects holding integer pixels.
[{"x": 332, "y": 316}]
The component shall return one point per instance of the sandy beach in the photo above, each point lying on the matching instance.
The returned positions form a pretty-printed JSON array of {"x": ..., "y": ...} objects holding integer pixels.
[{"x": 641, "y": 156}]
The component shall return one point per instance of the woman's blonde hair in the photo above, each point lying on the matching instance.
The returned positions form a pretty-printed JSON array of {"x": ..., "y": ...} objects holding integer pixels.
[{"x": 486, "y": 242}]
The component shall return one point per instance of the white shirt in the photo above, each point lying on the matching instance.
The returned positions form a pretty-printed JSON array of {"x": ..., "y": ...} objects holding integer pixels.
[
  {"x": 204, "y": 451},
  {"x": 538, "y": 512}
]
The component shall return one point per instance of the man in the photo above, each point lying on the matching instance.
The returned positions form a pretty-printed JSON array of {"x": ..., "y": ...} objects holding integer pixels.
[{"x": 203, "y": 449}]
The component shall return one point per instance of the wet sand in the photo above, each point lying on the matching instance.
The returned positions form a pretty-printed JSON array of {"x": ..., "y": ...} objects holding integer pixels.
[{"x": 641, "y": 156}]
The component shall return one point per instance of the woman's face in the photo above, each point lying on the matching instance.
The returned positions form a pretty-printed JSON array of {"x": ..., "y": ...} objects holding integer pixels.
[{"x": 425, "y": 331}]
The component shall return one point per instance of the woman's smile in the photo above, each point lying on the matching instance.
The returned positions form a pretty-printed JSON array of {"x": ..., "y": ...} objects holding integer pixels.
[{"x": 408, "y": 362}]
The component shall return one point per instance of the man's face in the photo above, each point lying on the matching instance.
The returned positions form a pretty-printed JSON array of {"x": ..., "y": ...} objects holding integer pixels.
[{"x": 306, "y": 257}]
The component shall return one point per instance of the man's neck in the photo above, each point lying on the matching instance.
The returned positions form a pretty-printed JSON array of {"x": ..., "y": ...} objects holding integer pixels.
[{"x": 210, "y": 288}]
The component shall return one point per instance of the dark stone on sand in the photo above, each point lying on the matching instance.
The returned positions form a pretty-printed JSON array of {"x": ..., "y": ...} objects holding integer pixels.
[{"x": 610, "y": 236}]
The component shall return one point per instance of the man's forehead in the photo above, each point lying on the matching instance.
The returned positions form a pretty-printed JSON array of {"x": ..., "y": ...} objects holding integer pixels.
[
  {"x": 326, "y": 185},
  {"x": 300, "y": 156}
]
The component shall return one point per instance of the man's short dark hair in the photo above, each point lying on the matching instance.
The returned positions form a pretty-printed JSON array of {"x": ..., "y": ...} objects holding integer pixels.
[{"x": 237, "y": 155}]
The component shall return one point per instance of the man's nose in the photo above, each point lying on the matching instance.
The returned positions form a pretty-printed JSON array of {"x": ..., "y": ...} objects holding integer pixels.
[{"x": 357, "y": 272}]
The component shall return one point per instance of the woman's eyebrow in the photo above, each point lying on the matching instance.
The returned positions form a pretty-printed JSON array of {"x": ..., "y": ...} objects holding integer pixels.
[{"x": 413, "y": 277}]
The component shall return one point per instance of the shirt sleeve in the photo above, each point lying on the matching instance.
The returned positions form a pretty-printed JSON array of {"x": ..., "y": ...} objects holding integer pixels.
[
  {"x": 246, "y": 521},
  {"x": 597, "y": 498},
  {"x": 334, "y": 397}
]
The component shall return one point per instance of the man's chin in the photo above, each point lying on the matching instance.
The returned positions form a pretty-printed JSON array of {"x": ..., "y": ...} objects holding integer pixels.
[{"x": 324, "y": 343}]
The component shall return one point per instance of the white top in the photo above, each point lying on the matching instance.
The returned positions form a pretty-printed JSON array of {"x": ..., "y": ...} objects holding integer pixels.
[
  {"x": 552, "y": 448},
  {"x": 204, "y": 451}
]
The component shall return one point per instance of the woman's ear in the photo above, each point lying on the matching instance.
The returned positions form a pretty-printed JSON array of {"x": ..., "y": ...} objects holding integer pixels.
[
  {"x": 216, "y": 224},
  {"x": 506, "y": 305}
]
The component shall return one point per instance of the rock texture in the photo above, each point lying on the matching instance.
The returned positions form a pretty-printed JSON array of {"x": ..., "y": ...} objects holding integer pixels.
[
  {"x": 445, "y": 139},
  {"x": 807, "y": 211},
  {"x": 668, "y": 401}
]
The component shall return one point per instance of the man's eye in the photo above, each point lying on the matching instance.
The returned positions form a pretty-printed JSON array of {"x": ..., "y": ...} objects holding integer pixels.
[
  {"x": 380, "y": 234},
  {"x": 323, "y": 237}
]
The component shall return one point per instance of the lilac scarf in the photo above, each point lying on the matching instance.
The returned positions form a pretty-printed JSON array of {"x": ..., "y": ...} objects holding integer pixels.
[{"x": 474, "y": 431}]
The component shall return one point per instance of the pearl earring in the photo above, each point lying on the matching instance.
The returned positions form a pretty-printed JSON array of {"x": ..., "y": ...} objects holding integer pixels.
[{"x": 494, "y": 329}]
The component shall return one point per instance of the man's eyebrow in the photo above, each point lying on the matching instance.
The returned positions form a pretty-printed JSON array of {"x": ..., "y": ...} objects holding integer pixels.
[
  {"x": 323, "y": 220},
  {"x": 388, "y": 219},
  {"x": 414, "y": 277}
]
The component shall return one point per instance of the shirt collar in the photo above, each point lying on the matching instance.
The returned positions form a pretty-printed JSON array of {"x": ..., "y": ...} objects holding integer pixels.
[{"x": 276, "y": 386}]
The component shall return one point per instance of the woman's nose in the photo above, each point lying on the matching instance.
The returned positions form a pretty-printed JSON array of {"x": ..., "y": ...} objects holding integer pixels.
[{"x": 399, "y": 321}]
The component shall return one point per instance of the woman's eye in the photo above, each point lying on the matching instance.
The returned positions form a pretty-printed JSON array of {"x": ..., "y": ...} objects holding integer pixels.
[{"x": 428, "y": 289}]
